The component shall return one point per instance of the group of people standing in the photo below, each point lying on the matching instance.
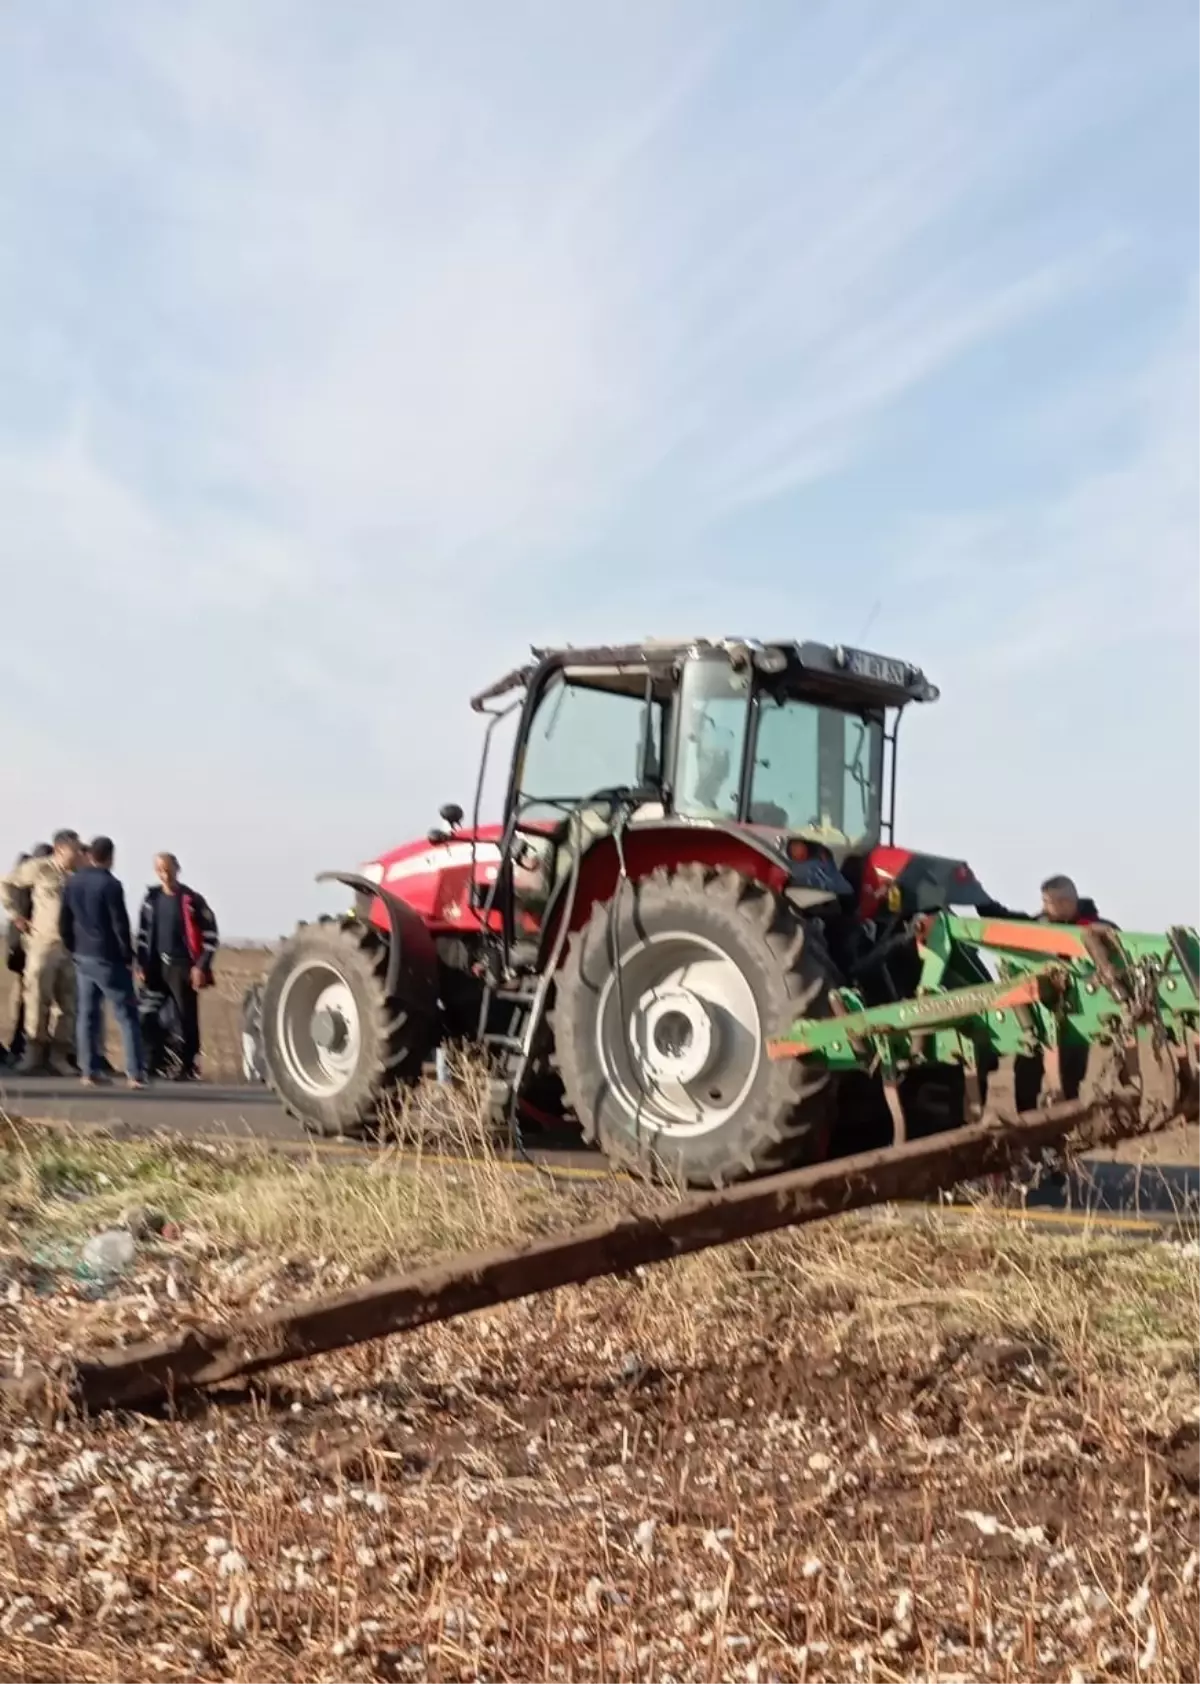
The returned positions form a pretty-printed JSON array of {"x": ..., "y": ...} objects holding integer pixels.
[{"x": 71, "y": 942}]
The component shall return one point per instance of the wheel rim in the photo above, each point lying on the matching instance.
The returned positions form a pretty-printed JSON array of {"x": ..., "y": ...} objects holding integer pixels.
[
  {"x": 680, "y": 1040},
  {"x": 320, "y": 1035}
]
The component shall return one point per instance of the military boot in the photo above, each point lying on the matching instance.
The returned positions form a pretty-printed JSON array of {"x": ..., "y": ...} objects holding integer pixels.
[
  {"x": 63, "y": 1062},
  {"x": 36, "y": 1061}
]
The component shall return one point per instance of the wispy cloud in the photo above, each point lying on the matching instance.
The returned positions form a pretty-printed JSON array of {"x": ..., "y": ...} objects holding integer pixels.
[
  {"x": 357, "y": 347},
  {"x": 1108, "y": 561}
]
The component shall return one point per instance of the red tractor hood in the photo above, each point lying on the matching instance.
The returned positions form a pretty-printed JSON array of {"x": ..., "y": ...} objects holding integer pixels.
[
  {"x": 413, "y": 859},
  {"x": 435, "y": 878},
  {"x": 901, "y": 883}
]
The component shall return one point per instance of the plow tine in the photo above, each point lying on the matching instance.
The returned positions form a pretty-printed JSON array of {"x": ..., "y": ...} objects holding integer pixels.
[
  {"x": 895, "y": 1105},
  {"x": 1000, "y": 1099}
]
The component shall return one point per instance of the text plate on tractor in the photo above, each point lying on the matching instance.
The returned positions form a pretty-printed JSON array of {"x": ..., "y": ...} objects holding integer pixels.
[{"x": 879, "y": 667}]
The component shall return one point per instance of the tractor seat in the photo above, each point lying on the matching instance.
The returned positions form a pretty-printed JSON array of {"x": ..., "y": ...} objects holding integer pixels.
[{"x": 767, "y": 812}]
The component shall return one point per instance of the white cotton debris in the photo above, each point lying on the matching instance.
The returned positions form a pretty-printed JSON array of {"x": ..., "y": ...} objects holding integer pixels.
[
  {"x": 1149, "y": 1649},
  {"x": 1139, "y": 1601}
]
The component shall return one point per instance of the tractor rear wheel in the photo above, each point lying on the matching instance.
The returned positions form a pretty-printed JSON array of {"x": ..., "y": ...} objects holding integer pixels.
[
  {"x": 332, "y": 1041},
  {"x": 663, "y": 1009}
]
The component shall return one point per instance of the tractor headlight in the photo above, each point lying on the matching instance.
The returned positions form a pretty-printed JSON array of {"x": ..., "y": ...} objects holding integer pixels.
[{"x": 372, "y": 871}]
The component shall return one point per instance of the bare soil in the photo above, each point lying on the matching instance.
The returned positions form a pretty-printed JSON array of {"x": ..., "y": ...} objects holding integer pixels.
[{"x": 872, "y": 1450}]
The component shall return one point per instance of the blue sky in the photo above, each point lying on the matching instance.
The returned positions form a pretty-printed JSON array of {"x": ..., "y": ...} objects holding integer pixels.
[{"x": 348, "y": 350}]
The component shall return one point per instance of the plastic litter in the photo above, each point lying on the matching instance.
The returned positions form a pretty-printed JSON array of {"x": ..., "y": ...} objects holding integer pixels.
[{"x": 109, "y": 1253}]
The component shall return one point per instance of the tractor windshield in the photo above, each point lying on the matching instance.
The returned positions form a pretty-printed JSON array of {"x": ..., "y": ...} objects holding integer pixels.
[
  {"x": 816, "y": 768},
  {"x": 583, "y": 739}
]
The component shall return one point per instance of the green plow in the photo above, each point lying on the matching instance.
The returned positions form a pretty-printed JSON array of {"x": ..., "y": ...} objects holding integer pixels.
[{"x": 1079, "y": 1007}]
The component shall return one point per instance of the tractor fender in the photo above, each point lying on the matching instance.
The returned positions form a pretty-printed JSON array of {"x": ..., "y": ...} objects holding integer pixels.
[
  {"x": 646, "y": 847},
  {"x": 412, "y": 968}
]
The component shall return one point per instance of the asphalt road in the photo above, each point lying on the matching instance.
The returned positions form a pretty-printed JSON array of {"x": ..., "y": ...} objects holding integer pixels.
[
  {"x": 205, "y": 1111},
  {"x": 183, "y": 1108},
  {"x": 201, "y": 1111}
]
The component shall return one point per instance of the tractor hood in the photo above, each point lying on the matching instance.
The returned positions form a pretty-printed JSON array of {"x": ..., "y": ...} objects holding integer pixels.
[
  {"x": 901, "y": 883},
  {"x": 422, "y": 858}
]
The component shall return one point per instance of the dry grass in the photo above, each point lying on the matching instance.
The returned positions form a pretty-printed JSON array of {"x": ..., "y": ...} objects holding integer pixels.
[{"x": 874, "y": 1449}]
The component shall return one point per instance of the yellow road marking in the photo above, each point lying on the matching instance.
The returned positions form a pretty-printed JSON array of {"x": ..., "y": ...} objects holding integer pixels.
[{"x": 1047, "y": 1213}]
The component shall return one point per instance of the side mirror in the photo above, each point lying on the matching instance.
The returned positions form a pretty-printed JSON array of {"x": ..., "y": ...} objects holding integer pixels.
[{"x": 452, "y": 814}]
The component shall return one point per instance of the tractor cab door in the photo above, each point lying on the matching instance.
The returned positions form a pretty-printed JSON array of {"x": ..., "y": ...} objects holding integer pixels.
[{"x": 584, "y": 742}]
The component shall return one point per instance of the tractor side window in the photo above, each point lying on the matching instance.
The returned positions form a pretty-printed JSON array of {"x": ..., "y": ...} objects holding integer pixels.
[
  {"x": 714, "y": 704},
  {"x": 817, "y": 770},
  {"x": 583, "y": 740}
]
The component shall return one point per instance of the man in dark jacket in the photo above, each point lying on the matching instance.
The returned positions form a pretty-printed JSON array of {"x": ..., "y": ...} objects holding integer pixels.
[
  {"x": 176, "y": 945},
  {"x": 94, "y": 926},
  {"x": 1061, "y": 904}
]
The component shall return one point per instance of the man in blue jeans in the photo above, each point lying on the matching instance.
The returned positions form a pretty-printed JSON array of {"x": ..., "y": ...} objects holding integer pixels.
[{"x": 94, "y": 927}]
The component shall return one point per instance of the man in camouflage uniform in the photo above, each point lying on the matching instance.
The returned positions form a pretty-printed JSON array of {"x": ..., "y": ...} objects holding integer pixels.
[
  {"x": 49, "y": 979},
  {"x": 15, "y": 955}
]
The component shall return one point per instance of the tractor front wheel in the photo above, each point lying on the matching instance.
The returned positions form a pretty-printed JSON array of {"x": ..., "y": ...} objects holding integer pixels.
[
  {"x": 663, "y": 1009},
  {"x": 332, "y": 1041}
]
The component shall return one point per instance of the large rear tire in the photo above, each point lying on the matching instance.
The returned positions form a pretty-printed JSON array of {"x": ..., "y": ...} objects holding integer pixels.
[
  {"x": 662, "y": 1012},
  {"x": 332, "y": 1041}
]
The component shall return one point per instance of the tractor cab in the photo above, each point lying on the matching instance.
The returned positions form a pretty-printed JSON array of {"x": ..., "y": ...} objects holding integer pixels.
[{"x": 788, "y": 750}]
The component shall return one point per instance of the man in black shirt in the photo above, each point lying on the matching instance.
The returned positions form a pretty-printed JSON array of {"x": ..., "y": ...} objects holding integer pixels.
[
  {"x": 94, "y": 927},
  {"x": 177, "y": 941}
]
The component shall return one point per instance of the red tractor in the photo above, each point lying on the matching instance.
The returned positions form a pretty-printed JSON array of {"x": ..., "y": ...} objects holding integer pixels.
[{"x": 696, "y": 848}]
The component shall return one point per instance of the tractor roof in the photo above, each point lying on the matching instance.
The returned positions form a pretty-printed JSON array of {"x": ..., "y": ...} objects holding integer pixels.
[{"x": 849, "y": 675}]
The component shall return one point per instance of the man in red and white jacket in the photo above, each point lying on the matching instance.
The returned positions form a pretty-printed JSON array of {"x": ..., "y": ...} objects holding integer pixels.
[{"x": 176, "y": 945}]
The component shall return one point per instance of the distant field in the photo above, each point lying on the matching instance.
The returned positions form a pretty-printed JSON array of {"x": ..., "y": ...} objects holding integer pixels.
[{"x": 220, "y": 1012}]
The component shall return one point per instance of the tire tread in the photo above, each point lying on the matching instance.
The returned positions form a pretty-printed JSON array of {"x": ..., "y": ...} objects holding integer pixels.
[
  {"x": 398, "y": 1036},
  {"x": 787, "y": 1118}
]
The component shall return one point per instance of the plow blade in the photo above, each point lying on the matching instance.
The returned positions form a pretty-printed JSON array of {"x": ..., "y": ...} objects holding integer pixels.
[
  {"x": 1091, "y": 1007},
  {"x": 156, "y": 1372}
]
